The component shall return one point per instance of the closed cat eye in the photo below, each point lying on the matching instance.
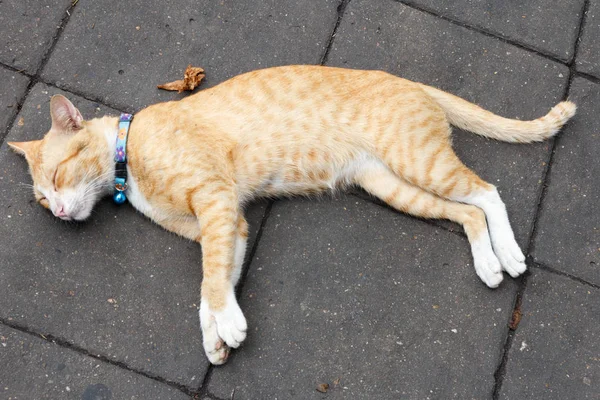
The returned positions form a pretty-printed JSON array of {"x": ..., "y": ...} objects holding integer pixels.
[{"x": 54, "y": 178}]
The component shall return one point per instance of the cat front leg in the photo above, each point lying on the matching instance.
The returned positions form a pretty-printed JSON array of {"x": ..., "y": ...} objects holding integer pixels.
[
  {"x": 221, "y": 330},
  {"x": 221, "y": 319},
  {"x": 241, "y": 241}
]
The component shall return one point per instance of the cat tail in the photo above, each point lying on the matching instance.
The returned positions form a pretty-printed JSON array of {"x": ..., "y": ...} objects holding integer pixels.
[{"x": 470, "y": 117}]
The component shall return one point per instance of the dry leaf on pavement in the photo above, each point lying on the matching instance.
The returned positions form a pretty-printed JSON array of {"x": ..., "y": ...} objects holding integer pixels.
[
  {"x": 191, "y": 79},
  {"x": 322, "y": 388}
]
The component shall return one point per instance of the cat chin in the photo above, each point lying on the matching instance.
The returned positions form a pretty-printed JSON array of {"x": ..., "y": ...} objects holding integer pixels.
[
  {"x": 82, "y": 214},
  {"x": 77, "y": 205},
  {"x": 79, "y": 217}
]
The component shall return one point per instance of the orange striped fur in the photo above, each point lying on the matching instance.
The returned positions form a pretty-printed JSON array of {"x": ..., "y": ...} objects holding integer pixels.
[{"x": 290, "y": 130}]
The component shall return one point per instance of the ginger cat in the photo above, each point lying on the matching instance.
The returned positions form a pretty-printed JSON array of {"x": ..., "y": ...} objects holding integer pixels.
[{"x": 193, "y": 163}]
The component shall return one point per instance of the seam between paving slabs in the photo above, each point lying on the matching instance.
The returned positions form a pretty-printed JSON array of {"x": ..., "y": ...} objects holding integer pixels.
[
  {"x": 483, "y": 31},
  {"x": 66, "y": 344},
  {"x": 39, "y": 79},
  {"x": 557, "y": 139},
  {"x": 250, "y": 256},
  {"x": 501, "y": 370},
  {"x": 20, "y": 102},
  {"x": 341, "y": 8},
  {"x": 98, "y": 100},
  {"x": 565, "y": 274},
  {"x": 526, "y": 47},
  {"x": 35, "y": 77},
  {"x": 589, "y": 77}
]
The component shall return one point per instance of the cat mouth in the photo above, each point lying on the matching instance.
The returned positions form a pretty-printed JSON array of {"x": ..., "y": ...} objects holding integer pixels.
[
  {"x": 82, "y": 214},
  {"x": 74, "y": 218},
  {"x": 72, "y": 215}
]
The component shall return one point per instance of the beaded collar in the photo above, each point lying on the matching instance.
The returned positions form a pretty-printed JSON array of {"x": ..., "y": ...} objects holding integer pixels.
[{"x": 121, "y": 159}]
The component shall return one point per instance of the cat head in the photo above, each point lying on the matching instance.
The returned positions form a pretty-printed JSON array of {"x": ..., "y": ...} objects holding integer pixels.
[{"x": 71, "y": 166}]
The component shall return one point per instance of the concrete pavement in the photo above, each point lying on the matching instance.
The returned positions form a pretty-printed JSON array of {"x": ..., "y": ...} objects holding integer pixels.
[{"x": 341, "y": 291}]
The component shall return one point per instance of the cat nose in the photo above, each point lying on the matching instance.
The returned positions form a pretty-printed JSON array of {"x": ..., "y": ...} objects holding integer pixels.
[{"x": 60, "y": 212}]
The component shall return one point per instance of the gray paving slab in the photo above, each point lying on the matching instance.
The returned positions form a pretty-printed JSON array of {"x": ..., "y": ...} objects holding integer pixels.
[
  {"x": 545, "y": 25},
  {"x": 28, "y": 28},
  {"x": 128, "y": 54},
  {"x": 12, "y": 91},
  {"x": 568, "y": 229},
  {"x": 588, "y": 56},
  {"x": 117, "y": 285},
  {"x": 42, "y": 370},
  {"x": 556, "y": 350},
  {"x": 497, "y": 76},
  {"x": 345, "y": 291}
]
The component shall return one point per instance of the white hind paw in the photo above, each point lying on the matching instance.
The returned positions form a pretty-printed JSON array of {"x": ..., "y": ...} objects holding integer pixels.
[
  {"x": 486, "y": 263},
  {"x": 509, "y": 253},
  {"x": 511, "y": 258},
  {"x": 489, "y": 271}
]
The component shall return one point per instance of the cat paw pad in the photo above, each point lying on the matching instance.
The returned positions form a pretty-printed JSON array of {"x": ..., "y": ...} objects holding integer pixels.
[{"x": 216, "y": 353}]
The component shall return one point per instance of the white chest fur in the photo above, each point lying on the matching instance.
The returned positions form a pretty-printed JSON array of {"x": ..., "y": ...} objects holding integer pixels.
[{"x": 137, "y": 199}]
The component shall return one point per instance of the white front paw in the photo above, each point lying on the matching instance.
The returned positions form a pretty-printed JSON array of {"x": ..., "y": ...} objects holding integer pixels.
[
  {"x": 216, "y": 350},
  {"x": 221, "y": 330},
  {"x": 231, "y": 325}
]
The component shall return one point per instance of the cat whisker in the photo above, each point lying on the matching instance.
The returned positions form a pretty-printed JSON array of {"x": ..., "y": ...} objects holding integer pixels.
[
  {"x": 25, "y": 185},
  {"x": 95, "y": 189}
]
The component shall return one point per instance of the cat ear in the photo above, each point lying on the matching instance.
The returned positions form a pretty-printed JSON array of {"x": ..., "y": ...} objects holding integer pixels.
[
  {"x": 26, "y": 149},
  {"x": 65, "y": 117}
]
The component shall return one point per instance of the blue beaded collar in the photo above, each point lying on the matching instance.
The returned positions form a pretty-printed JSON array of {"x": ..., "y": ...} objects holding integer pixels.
[{"x": 121, "y": 159}]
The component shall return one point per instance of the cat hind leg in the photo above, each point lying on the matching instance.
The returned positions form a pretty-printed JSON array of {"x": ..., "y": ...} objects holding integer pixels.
[
  {"x": 503, "y": 238},
  {"x": 380, "y": 181},
  {"x": 438, "y": 170}
]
